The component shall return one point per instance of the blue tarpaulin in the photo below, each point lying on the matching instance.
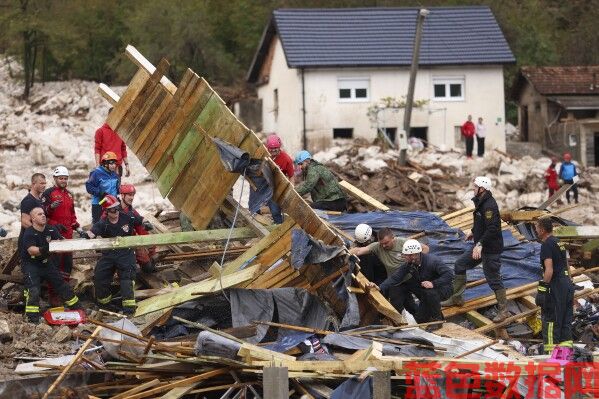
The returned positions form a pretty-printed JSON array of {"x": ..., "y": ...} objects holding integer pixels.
[{"x": 520, "y": 262}]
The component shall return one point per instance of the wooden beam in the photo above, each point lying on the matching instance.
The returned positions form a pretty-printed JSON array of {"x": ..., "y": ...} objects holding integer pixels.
[
  {"x": 182, "y": 237},
  {"x": 579, "y": 232},
  {"x": 362, "y": 196},
  {"x": 557, "y": 194},
  {"x": 258, "y": 227},
  {"x": 523, "y": 216},
  {"x": 478, "y": 319},
  {"x": 108, "y": 94},
  {"x": 143, "y": 63}
]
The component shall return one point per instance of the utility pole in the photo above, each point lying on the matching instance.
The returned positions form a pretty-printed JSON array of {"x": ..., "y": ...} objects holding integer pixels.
[{"x": 403, "y": 136}]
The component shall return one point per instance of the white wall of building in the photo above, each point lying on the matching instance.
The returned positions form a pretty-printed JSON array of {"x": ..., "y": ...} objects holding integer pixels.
[{"x": 483, "y": 95}]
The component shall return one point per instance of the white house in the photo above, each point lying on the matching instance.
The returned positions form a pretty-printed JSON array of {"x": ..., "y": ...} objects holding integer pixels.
[{"x": 317, "y": 72}]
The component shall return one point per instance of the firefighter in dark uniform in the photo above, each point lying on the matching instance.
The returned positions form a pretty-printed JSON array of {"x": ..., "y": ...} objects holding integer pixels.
[
  {"x": 422, "y": 275},
  {"x": 116, "y": 224},
  {"x": 39, "y": 266},
  {"x": 555, "y": 293},
  {"x": 488, "y": 245}
]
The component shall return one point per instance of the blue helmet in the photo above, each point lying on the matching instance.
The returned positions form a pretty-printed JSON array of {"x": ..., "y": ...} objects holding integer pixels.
[{"x": 302, "y": 156}]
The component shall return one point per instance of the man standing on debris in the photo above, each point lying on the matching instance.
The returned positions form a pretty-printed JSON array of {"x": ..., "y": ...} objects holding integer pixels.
[
  {"x": 32, "y": 200},
  {"x": 38, "y": 266},
  {"x": 116, "y": 224},
  {"x": 102, "y": 181},
  {"x": 60, "y": 210},
  {"x": 481, "y": 133},
  {"x": 370, "y": 265},
  {"x": 488, "y": 240},
  {"x": 567, "y": 172},
  {"x": 143, "y": 255},
  {"x": 555, "y": 293},
  {"x": 422, "y": 275},
  {"x": 285, "y": 163},
  {"x": 321, "y": 183},
  {"x": 107, "y": 140},
  {"x": 468, "y": 130},
  {"x": 551, "y": 177}
]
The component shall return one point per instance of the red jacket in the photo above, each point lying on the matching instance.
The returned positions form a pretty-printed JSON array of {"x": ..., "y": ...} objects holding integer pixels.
[
  {"x": 284, "y": 162},
  {"x": 65, "y": 212},
  {"x": 551, "y": 178},
  {"x": 468, "y": 129},
  {"x": 106, "y": 140}
]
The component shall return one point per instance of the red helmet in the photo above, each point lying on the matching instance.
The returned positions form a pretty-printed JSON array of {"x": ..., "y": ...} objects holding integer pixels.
[
  {"x": 109, "y": 201},
  {"x": 273, "y": 142},
  {"x": 127, "y": 189},
  {"x": 567, "y": 157}
]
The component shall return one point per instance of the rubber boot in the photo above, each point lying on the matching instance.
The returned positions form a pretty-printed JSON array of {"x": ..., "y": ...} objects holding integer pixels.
[
  {"x": 459, "y": 285},
  {"x": 502, "y": 312}
]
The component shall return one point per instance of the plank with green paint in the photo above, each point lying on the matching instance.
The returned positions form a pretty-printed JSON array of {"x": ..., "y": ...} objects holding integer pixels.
[
  {"x": 183, "y": 237},
  {"x": 582, "y": 232}
]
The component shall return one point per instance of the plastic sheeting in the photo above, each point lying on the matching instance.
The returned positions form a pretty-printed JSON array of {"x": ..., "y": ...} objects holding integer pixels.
[{"x": 519, "y": 261}]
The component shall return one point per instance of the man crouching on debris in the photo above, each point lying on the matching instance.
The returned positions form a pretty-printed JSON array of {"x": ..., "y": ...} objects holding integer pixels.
[
  {"x": 424, "y": 276},
  {"x": 488, "y": 245},
  {"x": 556, "y": 291},
  {"x": 116, "y": 224},
  {"x": 39, "y": 266},
  {"x": 321, "y": 183}
]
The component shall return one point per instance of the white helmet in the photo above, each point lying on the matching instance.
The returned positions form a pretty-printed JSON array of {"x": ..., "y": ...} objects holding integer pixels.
[
  {"x": 363, "y": 233},
  {"x": 483, "y": 181},
  {"x": 411, "y": 247},
  {"x": 60, "y": 171}
]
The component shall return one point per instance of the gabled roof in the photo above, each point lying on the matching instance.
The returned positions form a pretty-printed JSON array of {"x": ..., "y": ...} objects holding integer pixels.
[
  {"x": 561, "y": 80},
  {"x": 362, "y": 37}
]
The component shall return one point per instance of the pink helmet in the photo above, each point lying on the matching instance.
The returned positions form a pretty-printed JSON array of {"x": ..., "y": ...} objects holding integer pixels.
[{"x": 273, "y": 141}]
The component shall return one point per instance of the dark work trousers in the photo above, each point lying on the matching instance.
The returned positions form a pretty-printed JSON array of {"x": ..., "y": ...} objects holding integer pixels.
[
  {"x": 480, "y": 146},
  {"x": 275, "y": 211},
  {"x": 372, "y": 267},
  {"x": 557, "y": 314},
  {"x": 469, "y": 146},
  {"x": 123, "y": 261},
  {"x": 429, "y": 307},
  {"x": 573, "y": 190},
  {"x": 339, "y": 205},
  {"x": 65, "y": 266},
  {"x": 491, "y": 267},
  {"x": 96, "y": 213},
  {"x": 33, "y": 276}
]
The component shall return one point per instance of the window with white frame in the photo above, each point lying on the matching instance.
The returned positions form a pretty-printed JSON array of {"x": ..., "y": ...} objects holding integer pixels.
[
  {"x": 448, "y": 89},
  {"x": 353, "y": 89}
]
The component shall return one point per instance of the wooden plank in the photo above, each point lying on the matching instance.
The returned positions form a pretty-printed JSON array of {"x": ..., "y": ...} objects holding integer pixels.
[
  {"x": 108, "y": 94},
  {"x": 276, "y": 383},
  {"x": 579, "y": 232},
  {"x": 142, "y": 62},
  {"x": 362, "y": 196},
  {"x": 179, "y": 392},
  {"x": 478, "y": 319},
  {"x": 137, "y": 389},
  {"x": 182, "y": 237},
  {"x": 176, "y": 296},
  {"x": 522, "y": 216},
  {"x": 557, "y": 194},
  {"x": 122, "y": 107},
  {"x": 260, "y": 230},
  {"x": 180, "y": 383},
  {"x": 255, "y": 352}
]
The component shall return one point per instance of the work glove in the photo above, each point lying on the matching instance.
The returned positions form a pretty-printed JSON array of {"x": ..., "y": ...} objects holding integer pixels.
[
  {"x": 82, "y": 233},
  {"x": 148, "y": 226},
  {"x": 55, "y": 204},
  {"x": 75, "y": 226},
  {"x": 542, "y": 293},
  {"x": 61, "y": 227},
  {"x": 3, "y": 232}
]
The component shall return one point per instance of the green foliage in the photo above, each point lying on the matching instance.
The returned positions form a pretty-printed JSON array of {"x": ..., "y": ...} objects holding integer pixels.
[{"x": 61, "y": 39}]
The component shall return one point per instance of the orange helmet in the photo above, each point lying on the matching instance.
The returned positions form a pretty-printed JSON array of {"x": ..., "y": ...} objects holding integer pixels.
[
  {"x": 127, "y": 189},
  {"x": 109, "y": 201},
  {"x": 109, "y": 156}
]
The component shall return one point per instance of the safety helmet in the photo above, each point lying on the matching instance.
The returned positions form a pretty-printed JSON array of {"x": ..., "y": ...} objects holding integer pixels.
[
  {"x": 363, "y": 232},
  {"x": 127, "y": 189},
  {"x": 109, "y": 201},
  {"x": 60, "y": 171},
  {"x": 411, "y": 247},
  {"x": 483, "y": 181},
  {"x": 567, "y": 157},
  {"x": 273, "y": 142},
  {"x": 302, "y": 156},
  {"x": 109, "y": 156}
]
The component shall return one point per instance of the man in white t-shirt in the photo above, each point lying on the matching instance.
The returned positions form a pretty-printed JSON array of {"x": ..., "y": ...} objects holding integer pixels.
[{"x": 481, "y": 132}]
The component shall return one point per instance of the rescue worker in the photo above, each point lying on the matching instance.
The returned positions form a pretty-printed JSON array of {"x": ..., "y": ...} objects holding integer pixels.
[
  {"x": 102, "y": 181},
  {"x": 37, "y": 266},
  {"x": 555, "y": 293},
  {"x": 116, "y": 224},
  {"x": 143, "y": 255},
  {"x": 107, "y": 140},
  {"x": 32, "y": 200},
  {"x": 370, "y": 264},
  {"x": 488, "y": 245},
  {"x": 422, "y": 275},
  {"x": 285, "y": 163},
  {"x": 320, "y": 182},
  {"x": 567, "y": 172},
  {"x": 551, "y": 177},
  {"x": 60, "y": 211}
]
